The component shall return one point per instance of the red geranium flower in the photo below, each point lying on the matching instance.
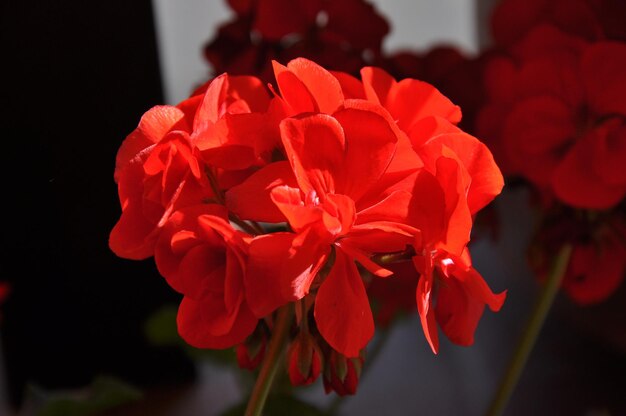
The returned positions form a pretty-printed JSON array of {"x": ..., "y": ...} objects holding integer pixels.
[
  {"x": 203, "y": 257},
  {"x": 161, "y": 166},
  {"x": 556, "y": 116},
  {"x": 341, "y": 216},
  {"x": 321, "y": 30},
  {"x": 590, "y": 19}
]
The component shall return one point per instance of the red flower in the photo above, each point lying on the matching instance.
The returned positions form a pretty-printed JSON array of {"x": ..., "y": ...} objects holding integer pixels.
[
  {"x": 557, "y": 113},
  {"x": 5, "y": 290},
  {"x": 203, "y": 257},
  {"x": 339, "y": 217},
  {"x": 589, "y": 19},
  {"x": 598, "y": 262},
  {"x": 161, "y": 166},
  {"x": 321, "y": 30},
  {"x": 451, "y": 293}
]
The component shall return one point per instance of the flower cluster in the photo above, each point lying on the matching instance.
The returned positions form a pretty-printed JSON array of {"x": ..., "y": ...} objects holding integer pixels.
[
  {"x": 320, "y": 30},
  {"x": 251, "y": 199},
  {"x": 556, "y": 117}
]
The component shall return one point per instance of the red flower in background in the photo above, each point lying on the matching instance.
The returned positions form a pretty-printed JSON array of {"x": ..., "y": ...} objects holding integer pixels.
[
  {"x": 321, "y": 30},
  {"x": 588, "y": 19},
  {"x": 556, "y": 116},
  {"x": 598, "y": 263}
]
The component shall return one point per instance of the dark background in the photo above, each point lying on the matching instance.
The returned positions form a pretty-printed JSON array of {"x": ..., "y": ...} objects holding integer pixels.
[{"x": 76, "y": 76}]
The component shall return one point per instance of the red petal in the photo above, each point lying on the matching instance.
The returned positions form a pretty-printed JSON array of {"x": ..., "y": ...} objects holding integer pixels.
[
  {"x": 350, "y": 86},
  {"x": 363, "y": 259},
  {"x": 315, "y": 147},
  {"x": 377, "y": 84},
  {"x": 609, "y": 153},
  {"x": 250, "y": 89},
  {"x": 459, "y": 217},
  {"x": 281, "y": 267},
  {"x": 289, "y": 201},
  {"x": 408, "y": 100},
  {"x": 134, "y": 235},
  {"x": 293, "y": 90},
  {"x": 486, "y": 181},
  {"x": 575, "y": 182},
  {"x": 603, "y": 66},
  {"x": 595, "y": 273},
  {"x": 154, "y": 125},
  {"x": 476, "y": 287},
  {"x": 195, "y": 320},
  {"x": 457, "y": 313},
  {"x": 211, "y": 106},
  {"x": 535, "y": 131},
  {"x": 251, "y": 200},
  {"x": 425, "y": 309},
  {"x": 322, "y": 85},
  {"x": 370, "y": 145},
  {"x": 342, "y": 310},
  {"x": 429, "y": 127}
]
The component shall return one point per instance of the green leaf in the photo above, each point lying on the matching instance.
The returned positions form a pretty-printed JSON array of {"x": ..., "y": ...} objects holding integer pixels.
[{"x": 104, "y": 393}]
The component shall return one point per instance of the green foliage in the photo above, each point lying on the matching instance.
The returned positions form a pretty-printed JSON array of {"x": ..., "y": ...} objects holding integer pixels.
[{"x": 103, "y": 394}]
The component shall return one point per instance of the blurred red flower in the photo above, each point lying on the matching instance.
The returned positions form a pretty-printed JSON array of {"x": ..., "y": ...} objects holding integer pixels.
[
  {"x": 556, "y": 116},
  {"x": 321, "y": 30}
]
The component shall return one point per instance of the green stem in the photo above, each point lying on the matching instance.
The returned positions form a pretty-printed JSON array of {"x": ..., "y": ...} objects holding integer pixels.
[
  {"x": 264, "y": 381},
  {"x": 531, "y": 332}
]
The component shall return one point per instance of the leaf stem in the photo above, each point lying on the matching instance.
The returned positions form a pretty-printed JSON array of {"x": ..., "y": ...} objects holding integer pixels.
[
  {"x": 531, "y": 332},
  {"x": 264, "y": 381}
]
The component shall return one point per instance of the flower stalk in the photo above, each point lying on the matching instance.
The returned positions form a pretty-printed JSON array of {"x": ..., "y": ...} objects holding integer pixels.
[
  {"x": 264, "y": 381},
  {"x": 531, "y": 332}
]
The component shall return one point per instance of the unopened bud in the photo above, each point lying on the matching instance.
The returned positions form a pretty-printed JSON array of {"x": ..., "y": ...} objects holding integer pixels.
[
  {"x": 305, "y": 360},
  {"x": 342, "y": 374}
]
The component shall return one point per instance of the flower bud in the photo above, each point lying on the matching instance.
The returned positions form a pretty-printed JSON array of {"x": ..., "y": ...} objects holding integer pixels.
[
  {"x": 305, "y": 360},
  {"x": 342, "y": 374},
  {"x": 251, "y": 352}
]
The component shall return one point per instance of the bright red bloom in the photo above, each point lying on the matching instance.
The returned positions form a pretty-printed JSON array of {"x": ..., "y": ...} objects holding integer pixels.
[
  {"x": 203, "y": 257},
  {"x": 161, "y": 166},
  {"x": 341, "y": 217},
  {"x": 557, "y": 117},
  {"x": 323, "y": 208},
  {"x": 451, "y": 293}
]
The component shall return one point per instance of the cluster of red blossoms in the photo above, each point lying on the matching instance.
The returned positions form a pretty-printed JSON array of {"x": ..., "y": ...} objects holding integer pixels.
[
  {"x": 252, "y": 198},
  {"x": 282, "y": 30},
  {"x": 556, "y": 117}
]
